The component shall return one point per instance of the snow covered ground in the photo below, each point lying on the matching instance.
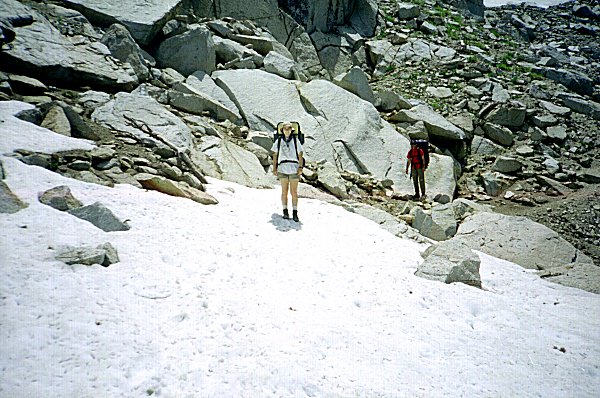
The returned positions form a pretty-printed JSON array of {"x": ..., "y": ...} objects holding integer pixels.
[{"x": 232, "y": 301}]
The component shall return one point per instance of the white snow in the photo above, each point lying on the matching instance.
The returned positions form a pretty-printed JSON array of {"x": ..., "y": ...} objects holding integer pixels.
[{"x": 232, "y": 301}]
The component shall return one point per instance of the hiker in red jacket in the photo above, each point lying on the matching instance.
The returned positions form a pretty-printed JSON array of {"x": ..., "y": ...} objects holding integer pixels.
[{"x": 416, "y": 160}]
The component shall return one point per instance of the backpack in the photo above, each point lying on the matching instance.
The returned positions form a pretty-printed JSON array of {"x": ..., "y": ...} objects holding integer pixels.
[
  {"x": 424, "y": 145},
  {"x": 296, "y": 134}
]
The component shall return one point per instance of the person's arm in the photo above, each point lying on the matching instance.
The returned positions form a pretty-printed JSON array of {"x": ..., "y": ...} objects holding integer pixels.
[
  {"x": 407, "y": 162},
  {"x": 274, "y": 163},
  {"x": 300, "y": 162}
]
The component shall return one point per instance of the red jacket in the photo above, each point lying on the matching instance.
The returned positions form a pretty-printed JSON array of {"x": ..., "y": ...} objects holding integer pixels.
[{"x": 416, "y": 156}]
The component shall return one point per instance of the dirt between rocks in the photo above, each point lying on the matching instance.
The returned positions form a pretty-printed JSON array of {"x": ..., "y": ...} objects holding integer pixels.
[{"x": 575, "y": 217}]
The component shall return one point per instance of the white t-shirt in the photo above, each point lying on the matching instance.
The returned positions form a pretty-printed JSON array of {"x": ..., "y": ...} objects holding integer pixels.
[{"x": 287, "y": 152}]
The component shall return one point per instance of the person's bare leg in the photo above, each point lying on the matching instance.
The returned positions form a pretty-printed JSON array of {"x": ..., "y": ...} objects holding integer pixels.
[
  {"x": 284, "y": 196},
  {"x": 294, "y": 192}
]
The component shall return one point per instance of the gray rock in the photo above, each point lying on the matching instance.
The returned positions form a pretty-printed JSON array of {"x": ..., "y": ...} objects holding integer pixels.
[
  {"x": 463, "y": 208},
  {"x": 356, "y": 81},
  {"x": 143, "y": 108},
  {"x": 555, "y": 109},
  {"x": 92, "y": 99},
  {"x": 57, "y": 121},
  {"x": 408, "y": 10},
  {"x": 510, "y": 115},
  {"x": 483, "y": 146},
  {"x": 59, "y": 198},
  {"x": 494, "y": 182},
  {"x": 104, "y": 255},
  {"x": 279, "y": 65},
  {"x": 439, "y": 225},
  {"x": 557, "y": 133},
  {"x": 228, "y": 50},
  {"x": 234, "y": 163},
  {"x": 590, "y": 176},
  {"x": 517, "y": 239},
  {"x": 100, "y": 216},
  {"x": 124, "y": 48},
  {"x": 189, "y": 52},
  {"x": 187, "y": 99},
  {"x": 524, "y": 150},
  {"x": 81, "y": 255},
  {"x": 543, "y": 121},
  {"x": 170, "y": 77},
  {"x": 173, "y": 188},
  {"x": 143, "y": 18},
  {"x": 436, "y": 124},
  {"x": 450, "y": 262},
  {"x": 504, "y": 164},
  {"x": 384, "y": 219},
  {"x": 577, "y": 82},
  {"x": 326, "y": 15},
  {"x": 390, "y": 101},
  {"x": 498, "y": 134},
  {"x": 9, "y": 202},
  {"x": 552, "y": 165},
  {"x": 581, "y": 276},
  {"x": 111, "y": 256},
  {"x": 439, "y": 92},
  {"x": 332, "y": 181},
  {"x": 580, "y": 105},
  {"x": 41, "y": 49},
  {"x": 26, "y": 85}
]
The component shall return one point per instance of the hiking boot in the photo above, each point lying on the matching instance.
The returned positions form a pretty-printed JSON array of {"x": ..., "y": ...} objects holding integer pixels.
[
  {"x": 295, "y": 215},
  {"x": 286, "y": 214}
]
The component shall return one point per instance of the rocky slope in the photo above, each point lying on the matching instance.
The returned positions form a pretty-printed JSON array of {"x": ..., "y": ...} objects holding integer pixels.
[{"x": 554, "y": 177}]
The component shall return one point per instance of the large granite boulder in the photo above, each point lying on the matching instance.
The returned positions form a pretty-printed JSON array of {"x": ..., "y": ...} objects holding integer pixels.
[
  {"x": 188, "y": 52},
  {"x": 518, "y": 239},
  {"x": 41, "y": 50},
  {"x": 143, "y": 18},
  {"x": 118, "y": 113}
]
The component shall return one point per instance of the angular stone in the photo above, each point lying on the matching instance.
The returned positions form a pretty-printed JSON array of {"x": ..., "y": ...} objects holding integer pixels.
[
  {"x": 189, "y": 52},
  {"x": 508, "y": 165},
  {"x": 60, "y": 198},
  {"x": 57, "y": 121},
  {"x": 100, "y": 216},
  {"x": 143, "y": 18},
  {"x": 451, "y": 262},
  {"x": 498, "y": 134},
  {"x": 9, "y": 202},
  {"x": 357, "y": 82},
  {"x": 161, "y": 184}
]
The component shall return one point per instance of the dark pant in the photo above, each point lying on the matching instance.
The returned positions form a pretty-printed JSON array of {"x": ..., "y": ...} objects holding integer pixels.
[{"x": 418, "y": 177}]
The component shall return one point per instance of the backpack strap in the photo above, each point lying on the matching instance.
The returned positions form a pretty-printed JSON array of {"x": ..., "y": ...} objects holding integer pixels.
[
  {"x": 295, "y": 147},
  {"x": 278, "y": 147}
]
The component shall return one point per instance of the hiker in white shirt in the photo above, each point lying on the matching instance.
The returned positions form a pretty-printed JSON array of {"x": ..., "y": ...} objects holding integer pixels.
[{"x": 287, "y": 166}]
